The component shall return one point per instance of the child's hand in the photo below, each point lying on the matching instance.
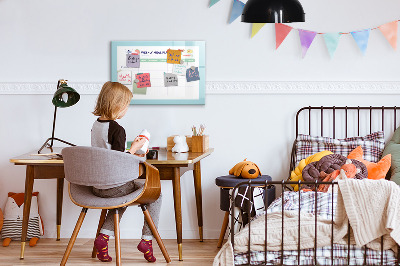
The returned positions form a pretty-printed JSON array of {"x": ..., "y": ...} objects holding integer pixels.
[
  {"x": 137, "y": 144},
  {"x": 143, "y": 155}
]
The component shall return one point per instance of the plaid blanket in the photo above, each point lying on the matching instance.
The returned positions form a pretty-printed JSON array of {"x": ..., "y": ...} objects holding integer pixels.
[
  {"x": 306, "y": 201},
  {"x": 323, "y": 205},
  {"x": 324, "y": 257}
]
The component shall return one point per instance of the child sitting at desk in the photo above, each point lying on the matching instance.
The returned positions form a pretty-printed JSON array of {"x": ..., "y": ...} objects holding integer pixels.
[{"x": 112, "y": 103}]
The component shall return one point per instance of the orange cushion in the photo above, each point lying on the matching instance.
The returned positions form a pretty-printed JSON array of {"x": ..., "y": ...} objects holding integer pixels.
[{"x": 375, "y": 170}]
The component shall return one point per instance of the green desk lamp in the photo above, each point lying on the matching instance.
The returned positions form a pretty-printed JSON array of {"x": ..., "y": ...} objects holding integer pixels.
[{"x": 65, "y": 96}]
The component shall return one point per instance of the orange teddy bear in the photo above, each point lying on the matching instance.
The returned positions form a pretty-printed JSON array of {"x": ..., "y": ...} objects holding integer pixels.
[{"x": 245, "y": 169}]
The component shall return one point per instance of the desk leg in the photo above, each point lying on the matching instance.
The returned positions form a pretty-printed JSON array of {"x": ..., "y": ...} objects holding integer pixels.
[
  {"x": 197, "y": 189},
  {"x": 60, "y": 190},
  {"x": 176, "y": 182},
  {"x": 27, "y": 206}
]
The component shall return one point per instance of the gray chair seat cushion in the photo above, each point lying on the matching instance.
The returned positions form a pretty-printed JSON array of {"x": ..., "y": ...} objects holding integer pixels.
[{"x": 83, "y": 196}]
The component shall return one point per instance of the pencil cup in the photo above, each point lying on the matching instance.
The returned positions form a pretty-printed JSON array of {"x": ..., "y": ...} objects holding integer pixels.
[{"x": 200, "y": 143}]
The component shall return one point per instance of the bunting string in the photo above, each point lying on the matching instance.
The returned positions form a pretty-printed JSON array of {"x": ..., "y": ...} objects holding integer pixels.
[
  {"x": 343, "y": 33},
  {"x": 361, "y": 37}
]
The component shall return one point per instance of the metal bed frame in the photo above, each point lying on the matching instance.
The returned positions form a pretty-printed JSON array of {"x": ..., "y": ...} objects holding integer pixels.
[{"x": 283, "y": 184}]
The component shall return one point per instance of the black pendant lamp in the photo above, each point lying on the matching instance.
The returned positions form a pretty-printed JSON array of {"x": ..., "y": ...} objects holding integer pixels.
[{"x": 273, "y": 11}]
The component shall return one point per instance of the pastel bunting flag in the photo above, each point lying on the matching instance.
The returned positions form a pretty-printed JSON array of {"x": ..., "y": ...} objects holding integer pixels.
[
  {"x": 389, "y": 30},
  {"x": 306, "y": 39},
  {"x": 281, "y": 31},
  {"x": 213, "y": 2},
  {"x": 332, "y": 41},
  {"x": 237, "y": 9},
  {"x": 256, "y": 27},
  {"x": 361, "y": 37}
]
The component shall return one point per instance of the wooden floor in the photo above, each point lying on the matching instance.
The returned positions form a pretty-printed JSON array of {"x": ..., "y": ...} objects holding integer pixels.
[{"x": 50, "y": 252}]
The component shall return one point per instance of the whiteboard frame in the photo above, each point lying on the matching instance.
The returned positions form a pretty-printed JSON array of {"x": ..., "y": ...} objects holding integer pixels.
[{"x": 172, "y": 44}]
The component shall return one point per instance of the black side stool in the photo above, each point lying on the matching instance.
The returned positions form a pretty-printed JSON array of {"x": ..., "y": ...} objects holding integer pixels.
[{"x": 226, "y": 183}]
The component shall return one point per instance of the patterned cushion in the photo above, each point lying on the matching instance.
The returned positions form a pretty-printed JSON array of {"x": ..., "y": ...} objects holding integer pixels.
[
  {"x": 13, "y": 228},
  {"x": 329, "y": 164},
  {"x": 372, "y": 144}
]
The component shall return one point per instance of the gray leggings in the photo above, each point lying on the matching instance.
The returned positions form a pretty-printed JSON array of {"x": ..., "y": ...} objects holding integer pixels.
[{"x": 154, "y": 208}]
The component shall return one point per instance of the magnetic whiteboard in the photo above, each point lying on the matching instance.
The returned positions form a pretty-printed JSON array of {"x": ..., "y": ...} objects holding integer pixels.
[{"x": 160, "y": 72}]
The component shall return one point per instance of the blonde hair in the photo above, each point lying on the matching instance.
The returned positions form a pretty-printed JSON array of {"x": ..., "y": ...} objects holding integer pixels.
[{"x": 112, "y": 99}]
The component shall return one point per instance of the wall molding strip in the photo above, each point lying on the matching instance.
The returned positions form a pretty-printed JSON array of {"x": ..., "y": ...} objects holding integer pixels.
[{"x": 231, "y": 87}]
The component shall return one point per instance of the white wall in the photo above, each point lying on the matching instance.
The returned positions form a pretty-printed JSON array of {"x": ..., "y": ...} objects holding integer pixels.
[{"x": 43, "y": 41}]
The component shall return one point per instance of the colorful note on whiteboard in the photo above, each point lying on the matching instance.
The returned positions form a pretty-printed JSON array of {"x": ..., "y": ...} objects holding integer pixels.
[
  {"x": 170, "y": 80},
  {"x": 125, "y": 77},
  {"x": 136, "y": 90},
  {"x": 143, "y": 80},
  {"x": 192, "y": 74},
  {"x": 179, "y": 70},
  {"x": 133, "y": 60},
  {"x": 174, "y": 56}
]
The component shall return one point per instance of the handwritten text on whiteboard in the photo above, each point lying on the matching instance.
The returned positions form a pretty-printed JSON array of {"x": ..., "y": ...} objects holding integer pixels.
[
  {"x": 174, "y": 56},
  {"x": 170, "y": 80},
  {"x": 192, "y": 74},
  {"x": 144, "y": 80},
  {"x": 133, "y": 60},
  {"x": 179, "y": 70},
  {"x": 125, "y": 77}
]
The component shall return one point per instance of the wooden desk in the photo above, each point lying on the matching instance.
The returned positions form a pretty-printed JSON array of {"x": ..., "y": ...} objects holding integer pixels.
[{"x": 171, "y": 167}]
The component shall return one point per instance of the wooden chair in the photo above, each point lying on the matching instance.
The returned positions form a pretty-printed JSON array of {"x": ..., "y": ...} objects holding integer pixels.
[{"x": 85, "y": 167}]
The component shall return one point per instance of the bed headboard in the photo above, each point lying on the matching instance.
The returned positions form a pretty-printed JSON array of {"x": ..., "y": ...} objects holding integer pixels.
[
  {"x": 345, "y": 117},
  {"x": 344, "y": 121}
]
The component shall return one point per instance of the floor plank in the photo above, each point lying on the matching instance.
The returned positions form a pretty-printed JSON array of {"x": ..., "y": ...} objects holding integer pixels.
[{"x": 49, "y": 252}]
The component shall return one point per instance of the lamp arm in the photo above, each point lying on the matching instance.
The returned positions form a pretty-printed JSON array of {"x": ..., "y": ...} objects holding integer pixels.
[
  {"x": 55, "y": 115},
  {"x": 54, "y": 126}
]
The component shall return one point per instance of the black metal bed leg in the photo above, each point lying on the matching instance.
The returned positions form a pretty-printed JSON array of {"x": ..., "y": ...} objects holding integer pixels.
[
  {"x": 333, "y": 189},
  {"x": 298, "y": 226},
  {"x": 249, "y": 221},
  {"x": 365, "y": 255},
  {"x": 283, "y": 210},
  {"x": 348, "y": 242},
  {"x": 266, "y": 221},
  {"x": 381, "y": 250},
  {"x": 315, "y": 222}
]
